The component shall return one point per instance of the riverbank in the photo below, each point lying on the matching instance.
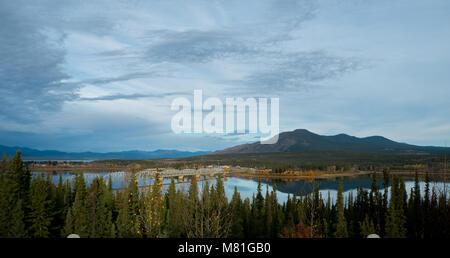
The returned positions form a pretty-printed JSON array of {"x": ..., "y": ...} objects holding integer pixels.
[
  {"x": 329, "y": 175},
  {"x": 317, "y": 175}
]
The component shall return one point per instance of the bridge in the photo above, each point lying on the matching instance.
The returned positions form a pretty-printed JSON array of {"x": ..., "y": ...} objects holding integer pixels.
[
  {"x": 151, "y": 173},
  {"x": 144, "y": 174},
  {"x": 181, "y": 173}
]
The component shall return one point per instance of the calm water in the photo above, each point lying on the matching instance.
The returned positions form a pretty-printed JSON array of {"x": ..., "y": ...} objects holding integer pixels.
[{"x": 248, "y": 187}]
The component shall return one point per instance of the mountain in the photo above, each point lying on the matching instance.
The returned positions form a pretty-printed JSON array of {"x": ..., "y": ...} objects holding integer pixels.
[
  {"x": 304, "y": 140},
  {"x": 33, "y": 154}
]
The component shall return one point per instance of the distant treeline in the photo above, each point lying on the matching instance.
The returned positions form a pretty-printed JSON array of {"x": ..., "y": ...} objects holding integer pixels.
[
  {"x": 303, "y": 161},
  {"x": 35, "y": 207}
]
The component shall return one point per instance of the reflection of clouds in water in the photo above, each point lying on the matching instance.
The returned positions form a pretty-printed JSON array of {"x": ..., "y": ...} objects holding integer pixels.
[{"x": 247, "y": 188}]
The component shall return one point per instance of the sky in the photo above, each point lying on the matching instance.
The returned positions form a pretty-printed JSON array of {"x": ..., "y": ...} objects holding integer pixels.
[{"x": 101, "y": 75}]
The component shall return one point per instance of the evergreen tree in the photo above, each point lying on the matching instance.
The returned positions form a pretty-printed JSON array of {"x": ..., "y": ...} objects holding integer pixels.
[
  {"x": 153, "y": 210},
  {"x": 220, "y": 209},
  {"x": 246, "y": 218},
  {"x": 177, "y": 212},
  {"x": 128, "y": 219},
  {"x": 257, "y": 213},
  {"x": 68, "y": 197},
  {"x": 415, "y": 218},
  {"x": 426, "y": 209},
  {"x": 384, "y": 209},
  {"x": 5, "y": 199},
  {"x": 193, "y": 217},
  {"x": 17, "y": 225},
  {"x": 68, "y": 225},
  {"x": 59, "y": 202},
  {"x": 237, "y": 229},
  {"x": 14, "y": 188},
  {"x": 276, "y": 214},
  {"x": 122, "y": 225},
  {"x": 174, "y": 211},
  {"x": 268, "y": 216},
  {"x": 40, "y": 217},
  {"x": 375, "y": 209},
  {"x": 21, "y": 177},
  {"x": 395, "y": 222},
  {"x": 79, "y": 211},
  {"x": 97, "y": 210},
  {"x": 341, "y": 227},
  {"x": 367, "y": 227}
]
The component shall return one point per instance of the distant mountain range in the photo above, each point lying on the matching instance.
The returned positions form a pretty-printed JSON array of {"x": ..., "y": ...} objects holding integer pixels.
[
  {"x": 304, "y": 140},
  {"x": 294, "y": 141},
  {"x": 32, "y": 154}
]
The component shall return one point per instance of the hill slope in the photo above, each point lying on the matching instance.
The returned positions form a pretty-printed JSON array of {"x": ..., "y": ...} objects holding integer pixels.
[{"x": 304, "y": 140}]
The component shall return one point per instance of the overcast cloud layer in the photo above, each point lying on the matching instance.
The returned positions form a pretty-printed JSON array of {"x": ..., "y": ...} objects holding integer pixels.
[{"x": 101, "y": 75}]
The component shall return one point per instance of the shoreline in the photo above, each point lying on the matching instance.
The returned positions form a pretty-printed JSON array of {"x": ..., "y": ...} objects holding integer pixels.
[{"x": 326, "y": 175}]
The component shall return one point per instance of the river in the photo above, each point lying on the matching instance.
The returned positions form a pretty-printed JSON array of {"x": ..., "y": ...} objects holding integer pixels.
[{"x": 248, "y": 187}]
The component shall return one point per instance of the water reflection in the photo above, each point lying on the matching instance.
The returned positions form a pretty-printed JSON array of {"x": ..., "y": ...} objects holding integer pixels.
[{"x": 248, "y": 187}]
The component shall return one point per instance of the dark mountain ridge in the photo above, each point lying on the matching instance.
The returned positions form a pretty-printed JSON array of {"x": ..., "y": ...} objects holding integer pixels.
[
  {"x": 33, "y": 154},
  {"x": 304, "y": 140}
]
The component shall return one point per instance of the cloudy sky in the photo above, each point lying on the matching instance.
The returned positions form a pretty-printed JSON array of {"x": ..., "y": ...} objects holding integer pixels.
[{"x": 101, "y": 75}]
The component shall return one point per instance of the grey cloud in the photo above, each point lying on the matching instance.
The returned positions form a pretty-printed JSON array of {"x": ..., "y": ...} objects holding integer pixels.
[
  {"x": 252, "y": 45},
  {"x": 72, "y": 15},
  {"x": 241, "y": 41},
  {"x": 30, "y": 69},
  {"x": 125, "y": 77},
  {"x": 296, "y": 70},
  {"x": 195, "y": 46},
  {"x": 93, "y": 131},
  {"x": 133, "y": 96},
  {"x": 292, "y": 12},
  {"x": 287, "y": 16}
]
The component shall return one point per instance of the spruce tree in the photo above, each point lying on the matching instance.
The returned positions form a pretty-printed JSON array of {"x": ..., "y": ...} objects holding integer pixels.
[
  {"x": 122, "y": 225},
  {"x": 276, "y": 214},
  {"x": 175, "y": 211},
  {"x": 14, "y": 188},
  {"x": 268, "y": 216},
  {"x": 79, "y": 211},
  {"x": 40, "y": 217},
  {"x": 171, "y": 219},
  {"x": 59, "y": 206},
  {"x": 367, "y": 227},
  {"x": 426, "y": 208},
  {"x": 17, "y": 225},
  {"x": 5, "y": 199},
  {"x": 237, "y": 229},
  {"x": 68, "y": 224},
  {"x": 374, "y": 202},
  {"x": 257, "y": 213},
  {"x": 131, "y": 208},
  {"x": 384, "y": 208},
  {"x": 246, "y": 218},
  {"x": 220, "y": 209},
  {"x": 97, "y": 211},
  {"x": 193, "y": 216},
  {"x": 395, "y": 220},
  {"x": 21, "y": 177},
  {"x": 153, "y": 210},
  {"x": 341, "y": 227}
]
